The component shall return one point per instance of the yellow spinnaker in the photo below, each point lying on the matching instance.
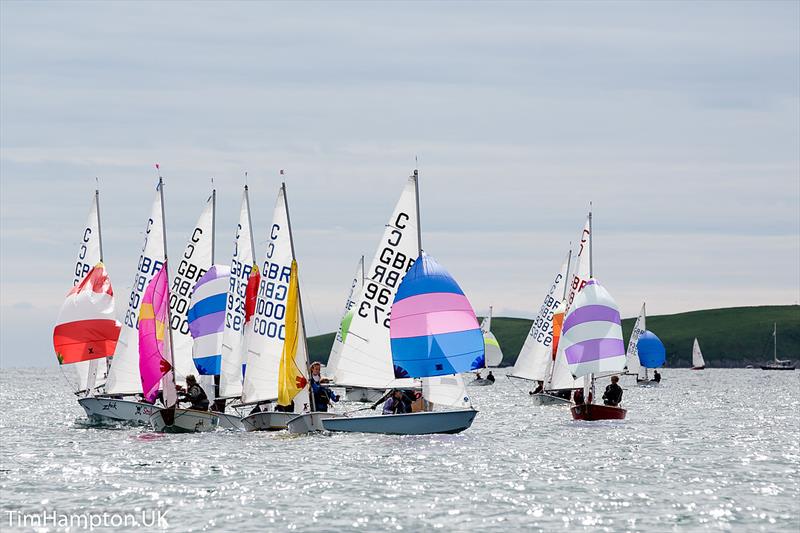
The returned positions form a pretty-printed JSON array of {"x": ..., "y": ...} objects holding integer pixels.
[{"x": 291, "y": 380}]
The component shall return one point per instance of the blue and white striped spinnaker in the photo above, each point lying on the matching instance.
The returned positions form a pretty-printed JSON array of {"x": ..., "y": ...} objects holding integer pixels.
[
  {"x": 592, "y": 333},
  {"x": 207, "y": 318}
]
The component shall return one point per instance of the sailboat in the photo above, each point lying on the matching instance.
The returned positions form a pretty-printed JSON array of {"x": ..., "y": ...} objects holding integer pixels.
[
  {"x": 777, "y": 364},
  {"x": 632, "y": 365},
  {"x": 356, "y": 286},
  {"x": 91, "y": 373},
  {"x": 434, "y": 336},
  {"x": 118, "y": 403},
  {"x": 698, "y": 363},
  {"x": 267, "y": 337},
  {"x": 652, "y": 354},
  {"x": 158, "y": 352},
  {"x": 364, "y": 366}
]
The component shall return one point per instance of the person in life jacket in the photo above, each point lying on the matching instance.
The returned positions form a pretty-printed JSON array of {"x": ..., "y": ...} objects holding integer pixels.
[
  {"x": 195, "y": 394},
  {"x": 613, "y": 394},
  {"x": 490, "y": 377},
  {"x": 323, "y": 396},
  {"x": 396, "y": 404}
]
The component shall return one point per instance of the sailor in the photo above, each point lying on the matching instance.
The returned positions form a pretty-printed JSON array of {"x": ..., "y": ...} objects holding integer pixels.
[
  {"x": 478, "y": 375},
  {"x": 539, "y": 388},
  {"x": 194, "y": 394},
  {"x": 323, "y": 396},
  {"x": 396, "y": 404},
  {"x": 490, "y": 377},
  {"x": 578, "y": 397},
  {"x": 613, "y": 394},
  {"x": 656, "y": 376}
]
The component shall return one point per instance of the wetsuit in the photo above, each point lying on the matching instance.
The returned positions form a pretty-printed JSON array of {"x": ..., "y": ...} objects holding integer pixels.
[{"x": 613, "y": 395}]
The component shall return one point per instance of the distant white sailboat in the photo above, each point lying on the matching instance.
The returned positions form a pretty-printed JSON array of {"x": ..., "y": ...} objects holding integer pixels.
[
  {"x": 698, "y": 363},
  {"x": 632, "y": 366},
  {"x": 494, "y": 354}
]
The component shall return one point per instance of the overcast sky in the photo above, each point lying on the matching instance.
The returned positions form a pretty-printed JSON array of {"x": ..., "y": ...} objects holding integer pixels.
[{"x": 680, "y": 121}]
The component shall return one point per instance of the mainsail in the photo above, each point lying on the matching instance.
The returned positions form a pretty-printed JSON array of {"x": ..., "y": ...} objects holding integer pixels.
[
  {"x": 356, "y": 286},
  {"x": 365, "y": 357},
  {"x": 535, "y": 358},
  {"x": 90, "y": 252},
  {"x": 494, "y": 355},
  {"x": 242, "y": 264},
  {"x": 434, "y": 331},
  {"x": 123, "y": 376},
  {"x": 632, "y": 355},
  {"x": 592, "y": 334},
  {"x": 697, "y": 356},
  {"x": 196, "y": 260}
]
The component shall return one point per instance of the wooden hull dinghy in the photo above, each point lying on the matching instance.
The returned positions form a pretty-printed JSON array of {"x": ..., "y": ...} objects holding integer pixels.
[
  {"x": 267, "y": 421},
  {"x": 309, "y": 422},
  {"x": 176, "y": 420},
  {"x": 117, "y": 411},
  {"x": 425, "y": 423},
  {"x": 544, "y": 398},
  {"x": 593, "y": 411}
]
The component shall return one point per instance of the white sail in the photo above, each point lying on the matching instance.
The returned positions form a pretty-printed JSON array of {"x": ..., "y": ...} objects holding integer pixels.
[
  {"x": 697, "y": 356},
  {"x": 233, "y": 348},
  {"x": 632, "y": 355},
  {"x": 356, "y": 287},
  {"x": 187, "y": 270},
  {"x": 536, "y": 355},
  {"x": 493, "y": 355},
  {"x": 366, "y": 356},
  {"x": 562, "y": 376},
  {"x": 90, "y": 373},
  {"x": 123, "y": 376},
  {"x": 446, "y": 391},
  {"x": 265, "y": 338}
]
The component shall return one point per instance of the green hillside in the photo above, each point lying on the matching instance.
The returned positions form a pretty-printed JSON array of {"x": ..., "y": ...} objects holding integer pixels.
[{"x": 730, "y": 337}]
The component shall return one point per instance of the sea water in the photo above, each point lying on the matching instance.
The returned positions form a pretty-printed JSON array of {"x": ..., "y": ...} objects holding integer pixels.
[{"x": 705, "y": 450}]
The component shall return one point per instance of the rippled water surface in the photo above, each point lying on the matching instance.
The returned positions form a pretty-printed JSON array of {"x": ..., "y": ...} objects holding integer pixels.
[{"x": 716, "y": 449}]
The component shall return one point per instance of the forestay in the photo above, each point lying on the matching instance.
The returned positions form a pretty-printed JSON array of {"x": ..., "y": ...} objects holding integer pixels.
[
  {"x": 266, "y": 336},
  {"x": 123, "y": 376},
  {"x": 434, "y": 331},
  {"x": 195, "y": 261},
  {"x": 632, "y": 355},
  {"x": 356, "y": 286},
  {"x": 365, "y": 357},
  {"x": 207, "y": 319},
  {"x": 592, "y": 334},
  {"x": 536, "y": 355},
  {"x": 233, "y": 345}
]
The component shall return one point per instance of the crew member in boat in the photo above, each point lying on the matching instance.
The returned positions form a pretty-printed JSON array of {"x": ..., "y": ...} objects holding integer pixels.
[
  {"x": 478, "y": 375},
  {"x": 539, "y": 388},
  {"x": 396, "y": 404},
  {"x": 656, "y": 376},
  {"x": 323, "y": 396},
  {"x": 490, "y": 377},
  {"x": 578, "y": 397},
  {"x": 613, "y": 394},
  {"x": 195, "y": 394}
]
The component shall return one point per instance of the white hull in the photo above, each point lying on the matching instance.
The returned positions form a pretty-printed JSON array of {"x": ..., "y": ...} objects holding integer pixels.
[
  {"x": 229, "y": 421},
  {"x": 548, "y": 399},
  {"x": 110, "y": 410},
  {"x": 185, "y": 421},
  {"x": 267, "y": 421},
  {"x": 309, "y": 422}
]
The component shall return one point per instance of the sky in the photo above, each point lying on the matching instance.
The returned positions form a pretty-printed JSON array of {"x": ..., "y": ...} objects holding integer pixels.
[{"x": 679, "y": 121}]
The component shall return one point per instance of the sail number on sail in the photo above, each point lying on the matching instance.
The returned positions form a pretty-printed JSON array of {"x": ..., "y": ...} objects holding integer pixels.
[
  {"x": 237, "y": 288},
  {"x": 386, "y": 275},
  {"x": 269, "y": 316},
  {"x": 81, "y": 266},
  {"x": 187, "y": 275},
  {"x": 145, "y": 271},
  {"x": 542, "y": 330}
]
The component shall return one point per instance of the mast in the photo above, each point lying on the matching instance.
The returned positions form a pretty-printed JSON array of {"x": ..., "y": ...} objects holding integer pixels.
[
  {"x": 249, "y": 218},
  {"x": 775, "y": 339},
  {"x": 566, "y": 278},
  {"x": 363, "y": 274},
  {"x": 213, "y": 219},
  {"x": 299, "y": 296},
  {"x": 166, "y": 266},
  {"x": 416, "y": 197},
  {"x": 91, "y": 374},
  {"x": 591, "y": 275}
]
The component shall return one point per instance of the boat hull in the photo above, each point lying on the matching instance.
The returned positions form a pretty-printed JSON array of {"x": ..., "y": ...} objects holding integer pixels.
[
  {"x": 363, "y": 394},
  {"x": 480, "y": 383},
  {"x": 184, "y": 421},
  {"x": 699, "y": 367},
  {"x": 229, "y": 421},
  {"x": 117, "y": 411},
  {"x": 267, "y": 421},
  {"x": 777, "y": 367},
  {"x": 543, "y": 398},
  {"x": 424, "y": 423},
  {"x": 593, "y": 411},
  {"x": 309, "y": 422}
]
